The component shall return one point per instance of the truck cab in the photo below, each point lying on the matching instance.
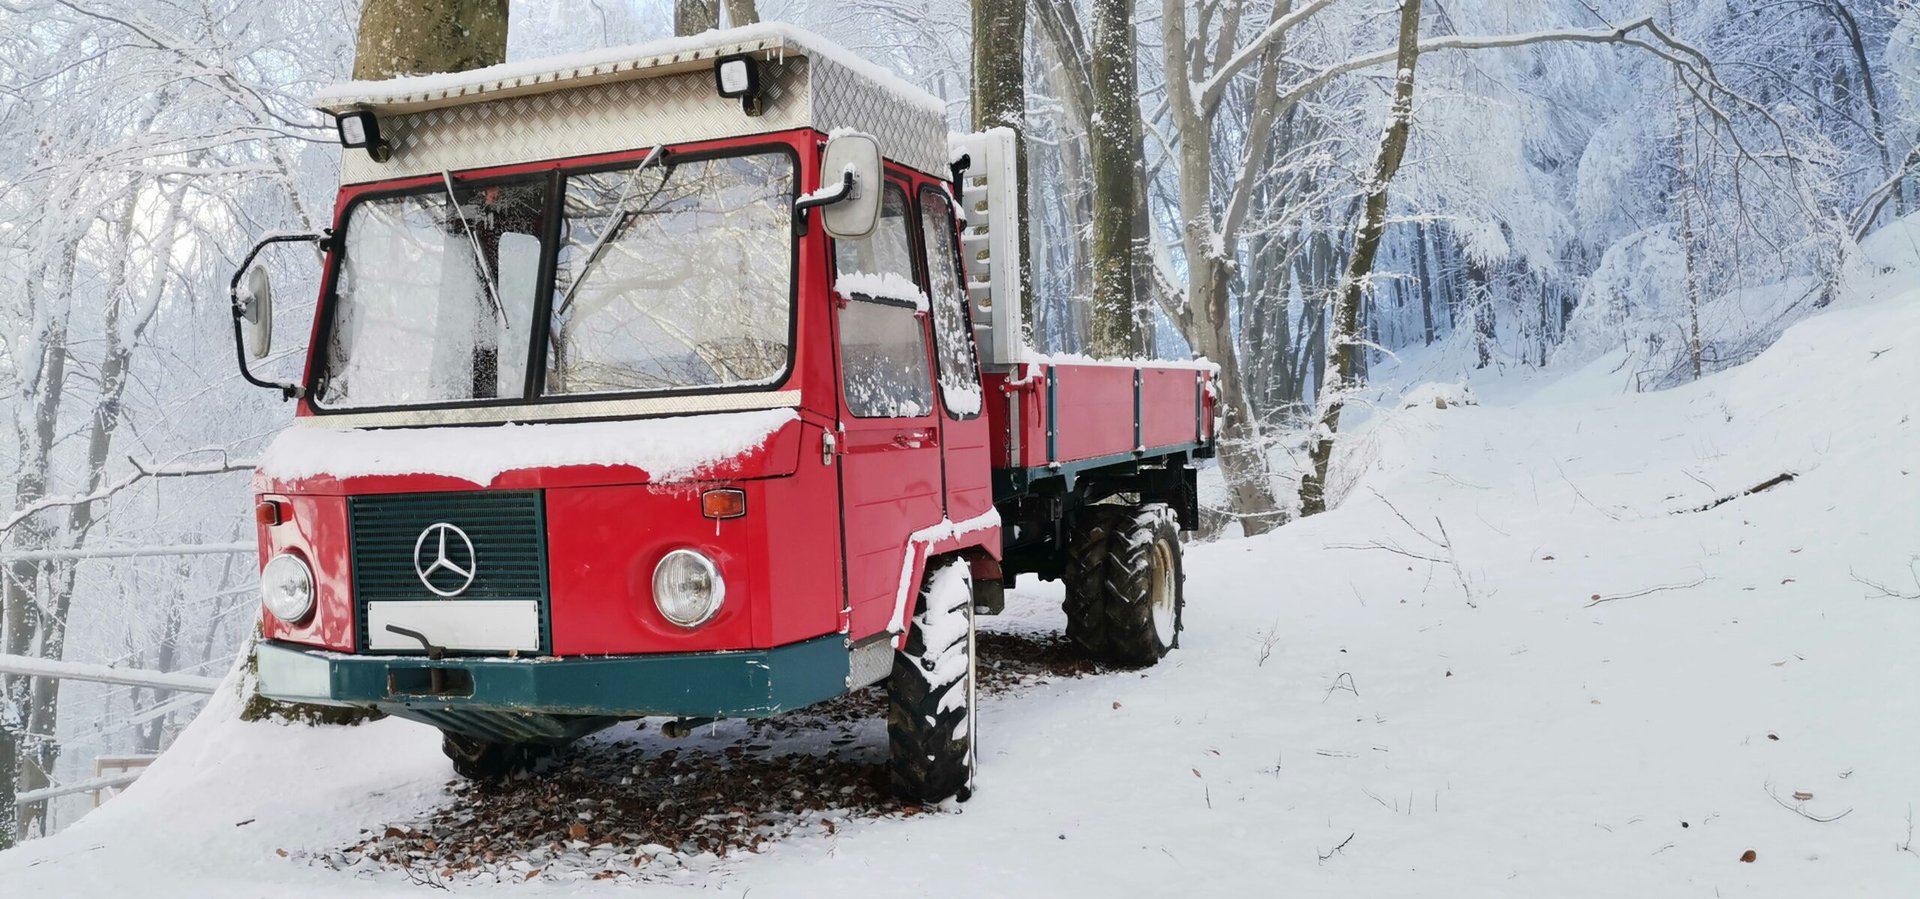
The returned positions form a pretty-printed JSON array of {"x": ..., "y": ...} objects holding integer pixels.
[{"x": 650, "y": 383}]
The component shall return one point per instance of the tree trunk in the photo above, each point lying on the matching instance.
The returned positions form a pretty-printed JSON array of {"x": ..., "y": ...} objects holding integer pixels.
[
  {"x": 25, "y": 614},
  {"x": 1000, "y": 101},
  {"x": 1871, "y": 94},
  {"x": 1116, "y": 151},
  {"x": 1426, "y": 280},
  {"x": 695, "y": 16},
  {"x": 1346, "y": 318},
  {"x": 1480, "y": 307},
  {"x": 742, "y": 12},
  {"x": 1071, "y": 81},
  {"x": 420, "y": 37},
  {"x": 1209, "y": 249},
  {"x": 9, "y": 760}
]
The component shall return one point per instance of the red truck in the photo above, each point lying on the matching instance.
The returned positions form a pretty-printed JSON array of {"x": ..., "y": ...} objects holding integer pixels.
[{"x": 687, "y": 380}]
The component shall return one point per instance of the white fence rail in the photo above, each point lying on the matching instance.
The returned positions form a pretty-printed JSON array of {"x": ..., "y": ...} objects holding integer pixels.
[{"x": 106, "y": 674}]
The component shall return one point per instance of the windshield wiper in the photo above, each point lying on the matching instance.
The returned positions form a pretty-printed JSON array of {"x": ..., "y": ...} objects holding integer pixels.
[
  {"x": 619, "y": 222},
  {"x": 479, "y": 257}
]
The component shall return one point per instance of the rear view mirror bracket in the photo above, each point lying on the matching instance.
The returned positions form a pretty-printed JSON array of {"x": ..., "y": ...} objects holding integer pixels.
[
  {"x": 851, "y": 179},
  {"x": 251, "y": 305},
  {"x": 849, "y": 183}
]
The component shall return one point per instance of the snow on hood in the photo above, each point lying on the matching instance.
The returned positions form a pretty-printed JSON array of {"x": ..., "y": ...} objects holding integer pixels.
[{"x": 665, "y": 448}]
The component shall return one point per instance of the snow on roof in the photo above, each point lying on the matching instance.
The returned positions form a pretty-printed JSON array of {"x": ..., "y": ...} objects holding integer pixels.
[{"x": 680, "y": 54}]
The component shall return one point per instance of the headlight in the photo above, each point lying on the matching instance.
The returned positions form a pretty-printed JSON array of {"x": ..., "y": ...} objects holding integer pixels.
[
  {"x": 286, "y": 588},
  {"x": 687, "y": 588}
]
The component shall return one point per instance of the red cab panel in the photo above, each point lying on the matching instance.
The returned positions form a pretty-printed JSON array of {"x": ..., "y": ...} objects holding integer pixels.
[{"x": 315, "y": 529}]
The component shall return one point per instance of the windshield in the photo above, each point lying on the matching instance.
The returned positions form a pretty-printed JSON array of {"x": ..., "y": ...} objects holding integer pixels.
[
  {"x": 691, "y": 282},
  {"x": 415, "y": 317},
  {"x": 675, "y": 275}
]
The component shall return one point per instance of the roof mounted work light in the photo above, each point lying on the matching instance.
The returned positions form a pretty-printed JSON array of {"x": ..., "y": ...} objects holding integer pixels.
[
  {"x": 360, "y": 130},
  {"x": 738, "y": 77}
]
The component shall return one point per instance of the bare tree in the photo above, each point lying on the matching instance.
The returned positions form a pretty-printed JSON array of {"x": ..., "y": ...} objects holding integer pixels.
[{"x": 1346, "y": 337}]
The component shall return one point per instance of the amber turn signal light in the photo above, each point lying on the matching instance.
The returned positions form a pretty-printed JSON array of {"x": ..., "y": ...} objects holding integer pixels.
[
  {"x": 724, "y": 503},
  {"x": 267, "y": 512}
]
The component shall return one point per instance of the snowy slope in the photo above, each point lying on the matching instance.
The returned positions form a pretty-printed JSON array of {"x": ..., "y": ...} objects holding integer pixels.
[{"x": 1478, "y": 729}]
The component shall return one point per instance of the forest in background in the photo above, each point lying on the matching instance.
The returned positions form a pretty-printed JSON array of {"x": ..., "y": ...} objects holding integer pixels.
[{"x": 1574, "y": 177}]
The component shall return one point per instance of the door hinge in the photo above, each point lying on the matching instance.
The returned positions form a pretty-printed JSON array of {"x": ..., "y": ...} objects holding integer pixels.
[{"x": 829, "y": 444}]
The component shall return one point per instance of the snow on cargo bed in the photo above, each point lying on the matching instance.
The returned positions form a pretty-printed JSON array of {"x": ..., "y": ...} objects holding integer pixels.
[{"x": 1517, "y": 662}]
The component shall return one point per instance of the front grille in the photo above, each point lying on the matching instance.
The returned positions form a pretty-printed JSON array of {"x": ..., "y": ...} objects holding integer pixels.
[{"x": 507, "y": 529}]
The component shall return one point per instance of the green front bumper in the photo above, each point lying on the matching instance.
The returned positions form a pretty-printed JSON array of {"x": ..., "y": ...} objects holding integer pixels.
[{"x": 557, "y": 699}]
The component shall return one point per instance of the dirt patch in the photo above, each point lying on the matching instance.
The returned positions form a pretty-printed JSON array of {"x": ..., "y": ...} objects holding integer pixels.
[
  {"x": 1011, "y": 661},
  {"x": 622, "y": 812},
  {"x": 632, "y": 805}
]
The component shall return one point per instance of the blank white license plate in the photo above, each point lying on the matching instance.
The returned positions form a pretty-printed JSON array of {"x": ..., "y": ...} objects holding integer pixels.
[{"x": 472, "y": 625}]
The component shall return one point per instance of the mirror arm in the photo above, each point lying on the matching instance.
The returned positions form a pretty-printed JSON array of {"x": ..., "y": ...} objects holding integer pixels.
[
  {"x": 806, "y": 205},
  {"x": 287, "y": 391}
]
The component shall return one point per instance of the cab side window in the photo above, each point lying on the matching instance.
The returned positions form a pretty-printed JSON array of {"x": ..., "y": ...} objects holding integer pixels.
[
  {"x": 883, "y": 345},
  {"x": 952, "y": 331}
]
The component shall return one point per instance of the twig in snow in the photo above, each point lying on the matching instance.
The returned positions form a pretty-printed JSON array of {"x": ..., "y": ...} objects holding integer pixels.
[
  {"x": 1454, "y": 559},
  {"x": 1403, "y": 519},
  {"x": 1768, "y": 484},
  {"x": 1882, "y": 591},
  {"x": 1576, "y": 492},
  {"x": 426, "y": 877},
  {"x": 1349, "y": 687},
  {"x": 1336, "y": 850},
  {"x": 1907, "y": 847},
  {"x": 1267, "y": 640},
  {"x": 1598, "y": 599},
  {"x": 1800, "y": 807},
  {"x": 1394, "y": 548}
]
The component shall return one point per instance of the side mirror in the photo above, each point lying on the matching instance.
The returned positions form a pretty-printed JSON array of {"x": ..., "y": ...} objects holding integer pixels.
[
  {"x": 851, "y": 183},
  {"x": 254, "y": 305},
  {"x": 251, "y": 296}
]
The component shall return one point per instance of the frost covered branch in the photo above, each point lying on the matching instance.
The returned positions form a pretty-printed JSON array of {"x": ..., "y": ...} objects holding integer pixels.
[{"x": 141, "y": 472}]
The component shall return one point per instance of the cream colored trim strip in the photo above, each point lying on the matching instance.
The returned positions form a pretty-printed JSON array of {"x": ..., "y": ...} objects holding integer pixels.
[{"x": 625, "y": 408}]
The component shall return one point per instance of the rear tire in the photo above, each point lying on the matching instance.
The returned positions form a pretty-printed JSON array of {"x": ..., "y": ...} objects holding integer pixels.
[
  {"x": 930, "y": 694},
  {"x": 487, "y": 760},
  {"x": 1124, "y": 584},
  {"x": 1085, "y": 578}
]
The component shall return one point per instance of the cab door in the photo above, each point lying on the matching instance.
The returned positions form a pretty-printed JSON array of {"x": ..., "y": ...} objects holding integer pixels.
[
  {"x": 965, "y": 455},
  {"x": 889, "y": 430}
]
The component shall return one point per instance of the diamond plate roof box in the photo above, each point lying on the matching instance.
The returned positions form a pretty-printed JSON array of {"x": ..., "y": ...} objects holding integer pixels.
[{"x": 773, "y": 41}]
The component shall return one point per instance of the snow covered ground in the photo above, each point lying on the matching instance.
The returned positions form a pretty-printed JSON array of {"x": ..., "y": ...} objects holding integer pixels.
[{"x": 1514, "y": 663}]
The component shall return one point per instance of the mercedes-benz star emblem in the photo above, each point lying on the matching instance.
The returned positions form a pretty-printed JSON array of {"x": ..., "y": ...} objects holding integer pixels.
[{"x": 455, "y": 558}]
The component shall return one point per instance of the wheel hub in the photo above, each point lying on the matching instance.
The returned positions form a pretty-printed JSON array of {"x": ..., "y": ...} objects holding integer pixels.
[{"x": 1164, "y": 592}]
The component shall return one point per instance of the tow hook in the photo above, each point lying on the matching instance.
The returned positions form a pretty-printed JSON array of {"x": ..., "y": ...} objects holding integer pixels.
[{"x": 436, "y": 677}]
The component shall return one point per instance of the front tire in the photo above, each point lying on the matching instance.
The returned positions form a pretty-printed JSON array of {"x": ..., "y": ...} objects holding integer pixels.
[
  {"x": 1125, "y": 578},
  {"x": 487, "y": 760},
  {"x": 930, "y": 694}
]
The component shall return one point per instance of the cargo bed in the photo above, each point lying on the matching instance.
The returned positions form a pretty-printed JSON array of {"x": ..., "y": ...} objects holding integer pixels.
[{"x": 1058, "y": 417}]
